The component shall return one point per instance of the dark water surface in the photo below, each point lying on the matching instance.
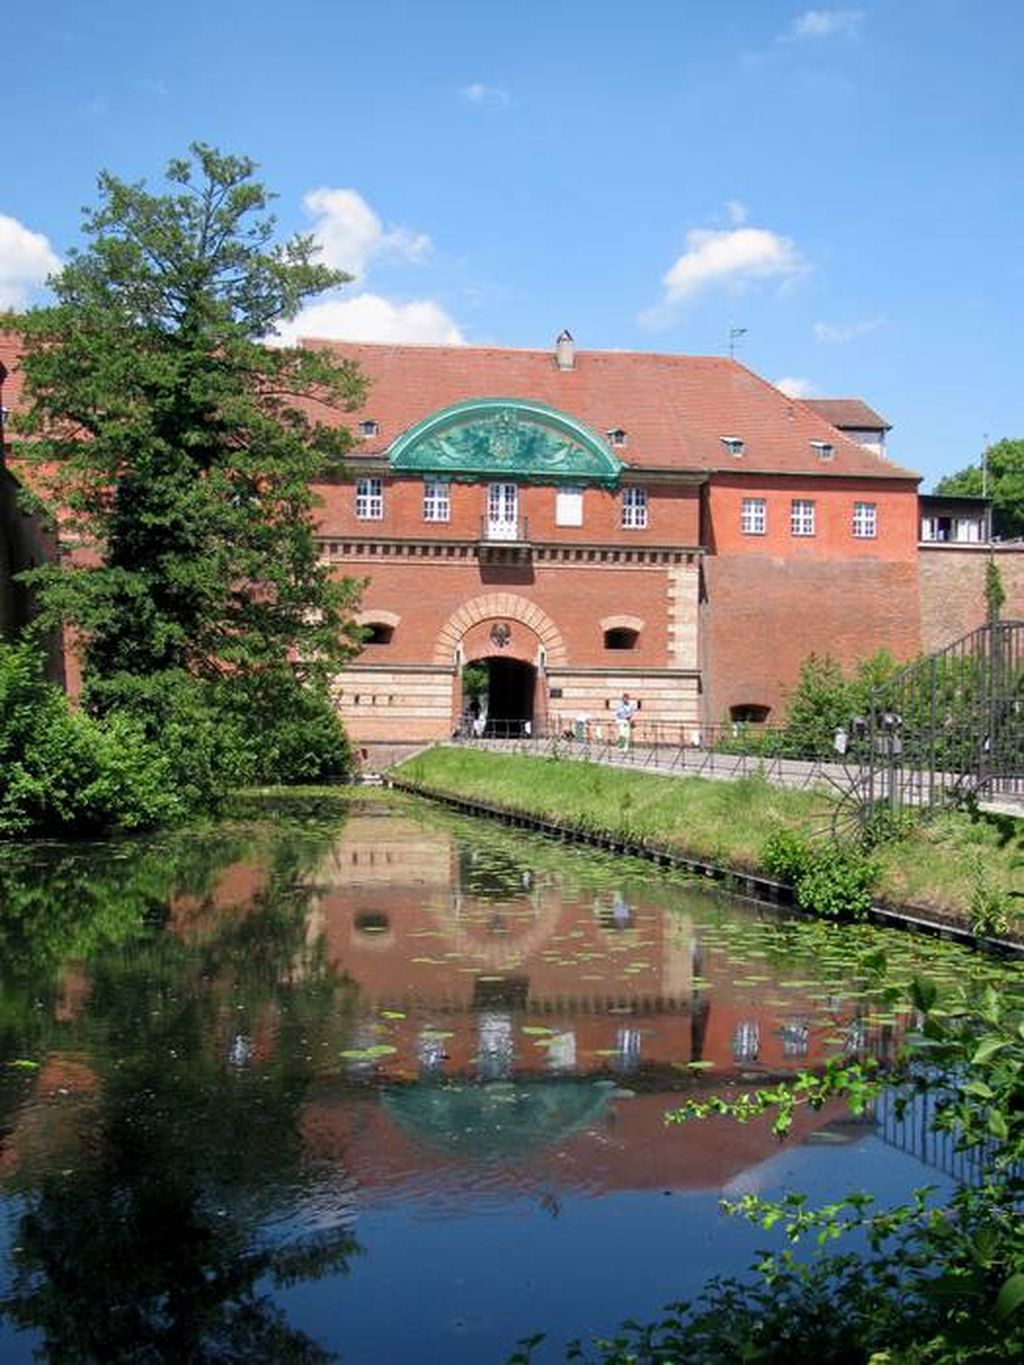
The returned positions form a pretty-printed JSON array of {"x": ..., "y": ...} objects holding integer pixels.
[{"x": 361, "y": 1079}]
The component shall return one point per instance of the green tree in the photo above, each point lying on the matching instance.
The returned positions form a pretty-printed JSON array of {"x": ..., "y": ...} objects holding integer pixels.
[
  {"x": 1003, "y": 481},
  {"x": 185, "y": 447}
]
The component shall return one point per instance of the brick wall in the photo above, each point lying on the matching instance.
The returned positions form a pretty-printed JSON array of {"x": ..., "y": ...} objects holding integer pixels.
[
  {"x": 762, "y": 615},
  {"x": 953, "y": 589},
  {"x": 673, "y": 513}
]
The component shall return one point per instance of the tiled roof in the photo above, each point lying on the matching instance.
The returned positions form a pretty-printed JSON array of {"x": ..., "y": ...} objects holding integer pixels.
[
  {"x": 848, "y": 414},
  {"x": 674, "y": 409}
]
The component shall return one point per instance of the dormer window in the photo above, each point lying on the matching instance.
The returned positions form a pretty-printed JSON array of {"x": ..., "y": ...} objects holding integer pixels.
[
  {"x": 733, "y": 444},
  {"x": 824, "y": 450},
  {"x": 369, "y": 428},
  {"x": 617, "y": 436}
]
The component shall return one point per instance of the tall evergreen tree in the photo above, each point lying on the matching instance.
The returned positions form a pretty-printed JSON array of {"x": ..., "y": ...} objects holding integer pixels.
[{"x": 181, "y": 447}]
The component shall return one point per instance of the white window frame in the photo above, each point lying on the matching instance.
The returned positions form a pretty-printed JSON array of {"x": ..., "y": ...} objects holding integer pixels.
[
  {"x": 865, "y": 520},
  {"x": 754, "y": 516},
  {"x": 370, "y": 498},
  {"x": 569, "y": 505},
  {"x": 634, "y": 509},
  {"x": 437, "y": 500},
  {"x": 802, "y": 516}
]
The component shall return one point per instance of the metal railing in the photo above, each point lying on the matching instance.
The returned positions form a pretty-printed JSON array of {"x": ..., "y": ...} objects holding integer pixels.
[
  {"x": 515, "y": 532},
  {"x": 717, "y": 751}
]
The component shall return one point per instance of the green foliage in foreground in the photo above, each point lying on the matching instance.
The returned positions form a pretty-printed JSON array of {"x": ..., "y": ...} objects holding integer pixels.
[
  {"x": 64, "y": 772},
  {"x": 938, "y": 1284}
]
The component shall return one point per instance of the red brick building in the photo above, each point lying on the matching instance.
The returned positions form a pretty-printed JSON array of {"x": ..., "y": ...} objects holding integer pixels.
[
  {"x": 588, "y": 523},
  {"x": 585, "y": 523}
]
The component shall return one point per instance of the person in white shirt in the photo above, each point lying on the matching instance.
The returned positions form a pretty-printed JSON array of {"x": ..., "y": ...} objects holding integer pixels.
[{"x": 624, "y": 713}]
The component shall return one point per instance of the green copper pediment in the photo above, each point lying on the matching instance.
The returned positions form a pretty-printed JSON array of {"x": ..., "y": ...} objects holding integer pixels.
[{"x": 505, "y": 438}]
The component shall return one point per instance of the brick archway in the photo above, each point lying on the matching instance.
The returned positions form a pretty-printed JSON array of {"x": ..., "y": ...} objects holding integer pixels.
[{"x": 504, "y": 606}]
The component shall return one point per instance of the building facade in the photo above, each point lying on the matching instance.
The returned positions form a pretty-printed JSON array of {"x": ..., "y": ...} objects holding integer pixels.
[{"x": 581, "y": 524}]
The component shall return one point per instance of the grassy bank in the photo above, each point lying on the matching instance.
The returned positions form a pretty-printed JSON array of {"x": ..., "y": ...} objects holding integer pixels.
[{"x": 945, "y": 865}]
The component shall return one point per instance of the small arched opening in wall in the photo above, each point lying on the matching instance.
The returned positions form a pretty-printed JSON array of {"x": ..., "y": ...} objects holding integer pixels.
[
  {"x": 621, "y": 632},
  {"x": 377, "y": 627},
  {"x": 749, "y": 713}
]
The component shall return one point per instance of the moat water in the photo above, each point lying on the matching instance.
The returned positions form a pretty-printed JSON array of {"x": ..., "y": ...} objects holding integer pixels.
[{"x": 357, "y": 1078}]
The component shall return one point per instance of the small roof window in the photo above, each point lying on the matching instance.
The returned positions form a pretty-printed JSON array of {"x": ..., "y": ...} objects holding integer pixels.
[
  {"x": 616, "y": 436},
  {"x": 824, "y": 450},
  {"x": 369, "y": 427},
  {"x": 734, "y": 445}
]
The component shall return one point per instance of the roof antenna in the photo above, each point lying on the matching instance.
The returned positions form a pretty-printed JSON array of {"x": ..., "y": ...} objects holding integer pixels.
[{"x": 734, "y": 335}]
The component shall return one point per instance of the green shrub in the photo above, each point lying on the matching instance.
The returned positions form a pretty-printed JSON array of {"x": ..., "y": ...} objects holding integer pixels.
[
  {"x": 838, "y": 884},
  {"x": 787, "y": 855},
  {"x": 829, "y": 879},
  {"x": 64, "y": 772}
]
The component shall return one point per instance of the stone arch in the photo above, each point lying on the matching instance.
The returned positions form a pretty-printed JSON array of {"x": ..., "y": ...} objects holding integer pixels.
[
  {"x": 506, "y": 606},
  {"x": 634, "y": 623},
  {"x": 376, "y": 617}
]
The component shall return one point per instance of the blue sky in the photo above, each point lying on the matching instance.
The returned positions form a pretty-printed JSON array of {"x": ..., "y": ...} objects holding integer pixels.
[{"x": 842, "y": 181}]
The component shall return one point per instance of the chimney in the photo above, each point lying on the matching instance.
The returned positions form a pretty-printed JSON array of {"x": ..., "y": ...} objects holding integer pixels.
[{"x": 565, "y": 351}]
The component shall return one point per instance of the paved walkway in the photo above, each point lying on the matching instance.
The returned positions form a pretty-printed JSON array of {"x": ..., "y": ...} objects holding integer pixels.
[{"x": 674, "y": 761}]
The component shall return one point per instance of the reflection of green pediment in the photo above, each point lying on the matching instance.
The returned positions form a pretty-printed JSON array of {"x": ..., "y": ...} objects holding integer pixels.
[
  {"x": 497, "y": 1119},
  {"x": 505, "y": 438}
]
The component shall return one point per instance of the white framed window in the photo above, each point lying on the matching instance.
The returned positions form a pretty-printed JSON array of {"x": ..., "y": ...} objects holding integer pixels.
[
  {"x": 634, "y": 508},
  {"x": 370, "y": 499},
  {"x": 733, "y": 444},
  {"x": 824, "y": 450},
  {"x": 865, "y": 520},
  {"x": 437, "y": 500},
  {"x": 801, "y": 517},
  {"x": 754, "y": 516},
  {"x": 369, "y": 428},
  {"x": 568, "y": 506}
]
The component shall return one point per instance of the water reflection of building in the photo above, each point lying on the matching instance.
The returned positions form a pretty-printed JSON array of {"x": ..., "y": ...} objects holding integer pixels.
[{"x": 490, "y": 971}]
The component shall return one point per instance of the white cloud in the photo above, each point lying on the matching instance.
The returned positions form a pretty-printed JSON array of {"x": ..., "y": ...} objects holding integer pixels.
[
  {"x": 794, "y": 386},
  {"x": 731, "y": 257},
  {"x": 369, "y": 317},
  {"x": 26, "y": 258},
  {"x": 485, "y": 96},
  {"x": 841, "y": 332},
  {"x": 825, "y": 23},
  {"x": 350, "y": 234}
]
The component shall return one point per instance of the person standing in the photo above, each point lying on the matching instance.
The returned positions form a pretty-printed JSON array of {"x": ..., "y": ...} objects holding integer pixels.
[{"x": 624, "y": 713}]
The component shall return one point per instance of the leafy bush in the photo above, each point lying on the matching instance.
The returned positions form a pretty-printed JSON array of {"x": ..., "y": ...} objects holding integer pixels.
[
  {"x": 64, "y": 772},
  {"x": 220, "y": 734},
  {"x": 834, "y": 880},
  {"x": 838, "y": 884},
  {"x": 787, "y": 855}
]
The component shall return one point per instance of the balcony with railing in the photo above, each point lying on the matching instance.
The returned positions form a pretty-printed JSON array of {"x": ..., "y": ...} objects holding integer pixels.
[{"x": 500, "y": 534}]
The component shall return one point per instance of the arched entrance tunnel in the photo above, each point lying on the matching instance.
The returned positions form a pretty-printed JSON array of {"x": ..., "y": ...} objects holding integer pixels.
[{"x": 511, "y": 685}]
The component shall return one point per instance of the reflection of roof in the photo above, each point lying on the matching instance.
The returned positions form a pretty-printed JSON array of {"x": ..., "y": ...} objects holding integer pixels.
[
  {"x": 848, "y": 414},
  {"x": 675, "y": 409},
  {"x": 498, "y": 1119}
]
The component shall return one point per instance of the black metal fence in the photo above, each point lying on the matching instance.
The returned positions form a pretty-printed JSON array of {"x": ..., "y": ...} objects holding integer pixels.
[{"x": 949, "y": 727}]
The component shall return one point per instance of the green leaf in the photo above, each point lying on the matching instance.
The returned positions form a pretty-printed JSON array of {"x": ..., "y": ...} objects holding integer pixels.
[
  {"x": 986, "y": 1049},
  {"x": 1011, "y": 1296}
]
